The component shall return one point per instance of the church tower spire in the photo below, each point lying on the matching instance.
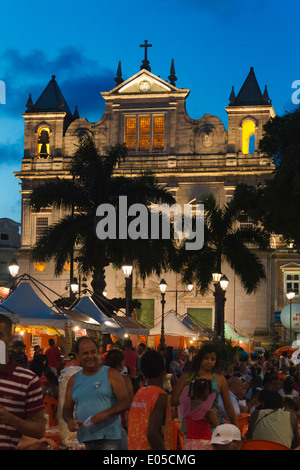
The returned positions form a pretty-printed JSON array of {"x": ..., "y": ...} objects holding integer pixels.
[
  {"x": 172, "y": 77},
  {"x": 29, "y": 104},
  {"x": 118, "y": 79}
]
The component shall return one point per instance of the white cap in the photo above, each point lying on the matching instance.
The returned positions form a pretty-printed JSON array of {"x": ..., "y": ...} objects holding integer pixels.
[{"x": 225, "y": 434}]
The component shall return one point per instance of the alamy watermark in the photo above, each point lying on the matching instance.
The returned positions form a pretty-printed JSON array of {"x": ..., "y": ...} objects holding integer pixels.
[
  {"x": 2, "y": 92},
  {"x": 159, "y": 221},
  {"x": 296, "y": 94}
]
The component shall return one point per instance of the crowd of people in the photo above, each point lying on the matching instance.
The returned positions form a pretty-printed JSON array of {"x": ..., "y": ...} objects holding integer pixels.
[{"x": 118, "y": 399}]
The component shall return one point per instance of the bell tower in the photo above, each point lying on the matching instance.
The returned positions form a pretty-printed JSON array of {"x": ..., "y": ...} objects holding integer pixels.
[
  {"x": 247, "y": 114},
  {"x": 46, "y": 122}
]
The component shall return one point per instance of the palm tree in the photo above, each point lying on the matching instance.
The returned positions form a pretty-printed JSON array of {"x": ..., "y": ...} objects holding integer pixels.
[
  {"x": 92, "y": 182},
  {"x": 224, "y": 241}
]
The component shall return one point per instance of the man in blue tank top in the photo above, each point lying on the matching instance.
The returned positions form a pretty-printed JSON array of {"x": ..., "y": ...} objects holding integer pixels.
[{"x": 98, "y": 394}]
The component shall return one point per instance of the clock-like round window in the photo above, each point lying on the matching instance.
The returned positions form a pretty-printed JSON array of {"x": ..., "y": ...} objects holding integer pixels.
[{"x": 144, "y": 86}]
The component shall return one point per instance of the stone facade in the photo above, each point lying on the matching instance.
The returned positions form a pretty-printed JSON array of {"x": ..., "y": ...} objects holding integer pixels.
[{"x": 191, "y": 157}]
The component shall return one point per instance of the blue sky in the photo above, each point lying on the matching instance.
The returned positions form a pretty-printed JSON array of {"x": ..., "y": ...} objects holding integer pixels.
[{"x": 214, "y": 43}]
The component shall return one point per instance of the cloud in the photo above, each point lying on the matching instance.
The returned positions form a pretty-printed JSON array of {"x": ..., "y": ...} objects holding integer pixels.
[{"x": 80, "y": 79}]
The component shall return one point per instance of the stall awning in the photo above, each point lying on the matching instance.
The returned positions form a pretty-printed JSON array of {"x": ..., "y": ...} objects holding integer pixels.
[
  {"x": 235, "y": 334},
  {"x": 30, "y": 309},
  {"x": 82, "y": 320},
  {"x": 86, "y": 306},
  {"x": 173, "y": 326},
  {"x": 130, "y": 326}
]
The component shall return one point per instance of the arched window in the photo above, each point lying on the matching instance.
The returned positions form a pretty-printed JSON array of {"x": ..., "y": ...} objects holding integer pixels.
[
  {"x": 43, "y": 150},
  {"x": 248, "y": 137}
]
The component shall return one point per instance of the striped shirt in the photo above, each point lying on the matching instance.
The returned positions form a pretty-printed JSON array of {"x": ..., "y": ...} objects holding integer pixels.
[{"x": 21, "y": 394}]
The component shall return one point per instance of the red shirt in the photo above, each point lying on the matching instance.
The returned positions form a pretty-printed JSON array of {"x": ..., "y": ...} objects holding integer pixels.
[
  {"x": 131, "y": 359},
  {"x": 21, "y": 394},
  {"x": 52, "y": 354},
  {"x": 198, "y": 429}
]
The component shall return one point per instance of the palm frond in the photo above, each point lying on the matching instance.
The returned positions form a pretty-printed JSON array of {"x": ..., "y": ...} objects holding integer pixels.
[
  {"x": 246, "y": 264},
  {"x": 58, "y": 192},
  {"x": 58, "y": 240}
]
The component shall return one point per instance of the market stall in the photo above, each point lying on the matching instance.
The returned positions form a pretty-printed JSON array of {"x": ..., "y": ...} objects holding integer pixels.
[
  {"x": 37, "y": 322},
  {"x": 87, "y": 306},
  {"x": 238, "y": 337},
  {"x": 117, "y": 326},
  {"x": 176, "y": 333}
]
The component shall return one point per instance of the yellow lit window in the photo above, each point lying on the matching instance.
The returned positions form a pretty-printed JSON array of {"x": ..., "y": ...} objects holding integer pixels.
[
  {"x": 158, "y": 132},
  {"x": 67, "y": 266},
  {"x": 130, "y": 132},
  {"x": 40, "y": 267},
  {"x": 43, "y": 142},
  {"x": 144, "y": 133},
  {"x": 248, "y": 130}
]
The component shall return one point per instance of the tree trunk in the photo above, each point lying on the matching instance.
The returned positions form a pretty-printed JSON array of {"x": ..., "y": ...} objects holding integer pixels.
[{"x": 98, "y": 282}]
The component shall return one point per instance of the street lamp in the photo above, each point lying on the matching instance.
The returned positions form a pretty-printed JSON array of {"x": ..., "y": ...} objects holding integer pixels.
[
  {"x": 163, "y": 287},
  {"x": 13, "y": 268},
  {"x": 221, "y": 284},
  {"x": 127, "y": 270},
  {"x": 74, "y": 285},
  {"x": 290, "y": 295},
  {"x": 190, "y": 287},
  {"x": 224, "y": 282}
]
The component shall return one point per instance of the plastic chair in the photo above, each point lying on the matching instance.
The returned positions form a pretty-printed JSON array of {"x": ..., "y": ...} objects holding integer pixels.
[
  {"x": 51, "y": 409},
  {"x": 177, "y": 436},
  {"x": 243, "y": 422},
  {"x": 261, "y": 444},
  {"x": 54, "y": 434}
]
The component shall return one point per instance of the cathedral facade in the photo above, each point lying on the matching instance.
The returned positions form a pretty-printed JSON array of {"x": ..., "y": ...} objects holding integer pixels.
[{"x": 191, "y": 157}]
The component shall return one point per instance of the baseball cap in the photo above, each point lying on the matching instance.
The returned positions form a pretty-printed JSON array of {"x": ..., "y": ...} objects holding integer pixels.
[{"x": 225, "y": 434}]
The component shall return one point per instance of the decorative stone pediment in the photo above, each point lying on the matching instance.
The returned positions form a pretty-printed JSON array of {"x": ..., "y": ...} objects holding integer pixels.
[
  {"x": 143, "y": 83},
  {"x": 290, "y": 267}
]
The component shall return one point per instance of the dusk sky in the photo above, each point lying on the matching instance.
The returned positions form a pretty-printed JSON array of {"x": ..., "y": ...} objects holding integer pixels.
[{"x": 213, "y": 43}]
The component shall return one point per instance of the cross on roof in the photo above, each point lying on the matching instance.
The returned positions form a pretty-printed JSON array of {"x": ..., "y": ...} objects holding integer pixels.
[{"x": 145, "y": 62}]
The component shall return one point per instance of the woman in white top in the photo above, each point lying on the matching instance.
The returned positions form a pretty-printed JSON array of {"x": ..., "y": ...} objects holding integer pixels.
[{"x": 272, "y": 423}]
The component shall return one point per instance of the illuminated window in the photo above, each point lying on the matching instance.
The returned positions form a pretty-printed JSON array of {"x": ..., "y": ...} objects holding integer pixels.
[
  {"x": 248, "y": 130},
  {"x": 145, "y": 132},
  {"x": 40, "y": 267},
  {"x": 40, "y": 225},
  {"x": 130, "y": 132},
  {"x": 43, "y": 143},
  {"x": 158, "y": 132},
  {"x": 67, "y": 266}
]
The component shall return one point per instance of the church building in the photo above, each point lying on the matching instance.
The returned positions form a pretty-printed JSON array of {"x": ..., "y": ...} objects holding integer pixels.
[{"x": 191, "y": 157}]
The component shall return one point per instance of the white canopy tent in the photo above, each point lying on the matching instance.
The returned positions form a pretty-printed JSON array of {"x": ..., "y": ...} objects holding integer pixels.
[{"x": 173, "y": 326}]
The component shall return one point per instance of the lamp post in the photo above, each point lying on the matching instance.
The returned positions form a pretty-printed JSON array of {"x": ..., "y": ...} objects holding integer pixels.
[
  {"x": 13, "y": 268},
  {"x": 75, "y": 286},
  {"x": 190, "y": 287},
  {"x": 163, "y": 287},
  {"x": 221, "y": 284},
  {"x": 290, "y": 295},
  {"x": 127, "y": 270}
]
